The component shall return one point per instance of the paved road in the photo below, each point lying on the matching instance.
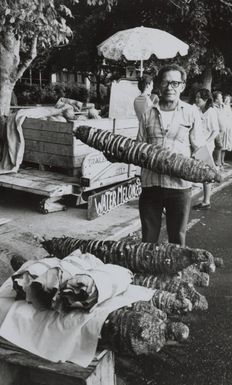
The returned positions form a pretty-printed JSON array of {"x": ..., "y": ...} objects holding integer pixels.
[{"x": 206, "y": 359}]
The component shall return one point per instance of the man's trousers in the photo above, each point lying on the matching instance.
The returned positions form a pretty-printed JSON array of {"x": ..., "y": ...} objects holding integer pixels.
[{"x": 177, "y": 203}]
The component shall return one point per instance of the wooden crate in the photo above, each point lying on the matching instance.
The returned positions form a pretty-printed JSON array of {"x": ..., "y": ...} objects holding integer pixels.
[
  {"x": 53, "y": 144},
  {"x": 20, "y": 367}
]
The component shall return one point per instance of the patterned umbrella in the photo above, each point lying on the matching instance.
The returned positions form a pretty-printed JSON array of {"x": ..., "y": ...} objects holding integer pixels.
[{"x": 140, "y": 43}]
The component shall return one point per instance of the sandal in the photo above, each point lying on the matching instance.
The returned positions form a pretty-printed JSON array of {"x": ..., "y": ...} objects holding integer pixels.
[{"x": 202, "y": 206}]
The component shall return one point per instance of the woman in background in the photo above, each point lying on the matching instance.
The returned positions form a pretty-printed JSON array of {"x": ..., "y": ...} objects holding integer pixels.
[
  {"x": 219, "y": 108},
  {"x": 227, "y": 137},
  {"x": 210, "y": 129}
]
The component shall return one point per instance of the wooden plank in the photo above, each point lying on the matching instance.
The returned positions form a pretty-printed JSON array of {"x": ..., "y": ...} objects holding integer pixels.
[
  {"x": 78, "y": 148},
  {"x": 104, "y": 124},
  {"x": 46, "y": 175},
  {"x": 120, "y": 125},
  {"x": 46, "y": 125},
  {"x": 62, "y": 161},
  {"x": 41, "y": 371},
  {"x": 49, "y": 159},
  {"x": 51, "y": 148},
  {"x": 48, "y": 136},
  {"x": 56, "y": 154},
  {"x": 103, "y": 202},
  {"x": 23, "y": 183},
  {"x": 62, "y": 127}
]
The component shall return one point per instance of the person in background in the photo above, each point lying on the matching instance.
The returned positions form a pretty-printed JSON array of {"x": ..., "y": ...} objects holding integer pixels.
[
  {"x": 143, "y": 101},
  {"x": 227, "y": 137},
  {"x": 175, "y": 125},
  {"x": 155, "y": 99},
  {"x": 210, "y": 130},
  {"x": 219, "y": 107}
]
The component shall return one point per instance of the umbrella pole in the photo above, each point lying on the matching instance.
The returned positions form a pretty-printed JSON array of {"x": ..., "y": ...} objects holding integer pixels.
[{"x": 141, "y": 68}]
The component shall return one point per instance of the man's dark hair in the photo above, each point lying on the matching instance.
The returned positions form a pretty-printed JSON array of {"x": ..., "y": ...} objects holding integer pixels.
[
  {"x": 144, "y": 81},
  {"x": 172, "y": 67}
]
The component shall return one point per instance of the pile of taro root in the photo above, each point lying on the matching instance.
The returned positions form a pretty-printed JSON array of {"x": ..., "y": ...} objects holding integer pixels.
[{"x": 172, "y": 271}]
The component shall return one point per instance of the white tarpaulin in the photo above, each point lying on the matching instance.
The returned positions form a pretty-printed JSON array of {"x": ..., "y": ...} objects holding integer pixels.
[{"x": 69, "y": 336}]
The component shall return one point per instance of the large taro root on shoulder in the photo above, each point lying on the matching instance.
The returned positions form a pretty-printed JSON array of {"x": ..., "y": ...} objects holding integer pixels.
[
  {"x": 155, "y": 158},
  {"x": 145, "y": 258}
]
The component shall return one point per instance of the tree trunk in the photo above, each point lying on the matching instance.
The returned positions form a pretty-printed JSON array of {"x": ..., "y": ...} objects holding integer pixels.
[
  {"x": 6, "y": 90},
  {"x": 11, "y": 68},
  {"x": 98, "y": 80},
  {"x": 9, "y": 61},
  {"x": 207, "y": 78}
]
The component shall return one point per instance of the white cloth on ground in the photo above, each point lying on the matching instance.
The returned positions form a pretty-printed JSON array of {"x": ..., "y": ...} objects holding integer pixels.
[{"x": 72, "y": 336}]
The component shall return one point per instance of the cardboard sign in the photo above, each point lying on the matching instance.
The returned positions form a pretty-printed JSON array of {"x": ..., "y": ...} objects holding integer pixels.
[
  {"x": 97, "y": 171},
  {"x": 122, "y": 96},
  {"x": 107, "y": 200}
]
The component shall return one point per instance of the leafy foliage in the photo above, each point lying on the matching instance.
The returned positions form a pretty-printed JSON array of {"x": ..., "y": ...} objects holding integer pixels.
[
  {"x": 28, "y": 94},
  {"x": 204, "y": 24},
  {"x": 25, "y": 27},
  {"x": 45, "y": 18}
]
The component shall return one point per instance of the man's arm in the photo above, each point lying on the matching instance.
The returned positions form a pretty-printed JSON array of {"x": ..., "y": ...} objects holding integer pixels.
[{"x": 141, "y": 136}]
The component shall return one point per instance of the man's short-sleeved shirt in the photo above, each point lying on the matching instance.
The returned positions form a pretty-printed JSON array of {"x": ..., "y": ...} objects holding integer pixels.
[{"x": 183, "y": 136}]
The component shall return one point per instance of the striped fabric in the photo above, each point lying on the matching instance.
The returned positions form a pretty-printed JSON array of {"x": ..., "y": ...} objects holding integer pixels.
[{"x": 184, "y": 136}]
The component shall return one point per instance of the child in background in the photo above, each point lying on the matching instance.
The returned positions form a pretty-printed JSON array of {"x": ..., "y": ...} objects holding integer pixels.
[{"x": 143, "y": 101}]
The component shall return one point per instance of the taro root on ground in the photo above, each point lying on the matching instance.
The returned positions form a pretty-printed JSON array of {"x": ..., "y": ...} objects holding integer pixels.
[
  {"x": 147, "y": 258},
  {"x": 140, "y": 332},
  {"x": 173, "y": 284}
]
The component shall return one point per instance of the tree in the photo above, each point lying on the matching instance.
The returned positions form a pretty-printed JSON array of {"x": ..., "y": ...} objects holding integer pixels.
[
  {"x": 24, "y": 26},
  {"x": 204, "y": 24}
]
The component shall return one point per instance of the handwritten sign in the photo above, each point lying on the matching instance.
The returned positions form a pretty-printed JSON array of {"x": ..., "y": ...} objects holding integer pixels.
[{"x": 103, "y": 202}]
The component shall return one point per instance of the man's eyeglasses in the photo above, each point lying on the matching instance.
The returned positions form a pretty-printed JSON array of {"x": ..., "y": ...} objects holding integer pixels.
[{"x": 174, "y": 84}]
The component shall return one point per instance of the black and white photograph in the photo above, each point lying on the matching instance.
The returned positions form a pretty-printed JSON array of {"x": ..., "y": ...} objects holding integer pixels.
[{"x": 115, "y": 192}]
